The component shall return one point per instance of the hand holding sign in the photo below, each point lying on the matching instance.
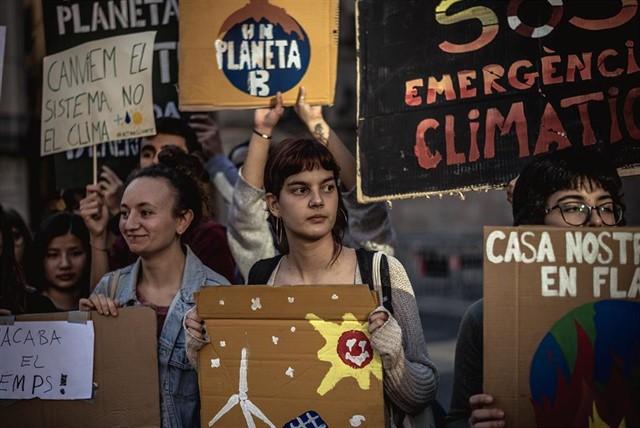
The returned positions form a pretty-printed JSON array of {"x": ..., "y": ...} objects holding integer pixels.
[
  {"x": 312, "y": 117},
  {"x": 93, "y": 211},
  {"x": 266, "y": 119},
  {"x": 111, "y": 187},
  {"x": 208, "y": 134}
]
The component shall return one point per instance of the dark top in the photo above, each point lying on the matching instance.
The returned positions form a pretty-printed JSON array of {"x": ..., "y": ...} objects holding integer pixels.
[
  {"x": 34, "y": 303},
  {"x": 207, "y": 240},
  {"x": 467, "y": 375},
  {"x": 161, "y": 313}
]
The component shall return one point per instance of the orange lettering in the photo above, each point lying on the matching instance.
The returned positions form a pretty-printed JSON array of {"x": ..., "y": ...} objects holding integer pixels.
[
  {"x": 491, "y": 73},
  {"x": 437, "y": 87},
  {"x": 453, "y": 157},
  {"x": 582, "y": 101},
  {"x": 627, "y": 12},
  {"x": 411, "y": 97},
  {"x": 426, "y": 159},
  {"x": 495, "y": 119},
  {"x": 604, "y": 55},
  {"x": 551, "y": 131}
]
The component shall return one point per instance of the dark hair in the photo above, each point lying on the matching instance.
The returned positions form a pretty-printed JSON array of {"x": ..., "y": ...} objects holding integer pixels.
[
  {"x": 179, "y": 127},
  {"x": 562, "y": 170},
  {"x": 188, "y": 195},
  {"x": 58, "y": 224},
  {"x": 16, "y": 221},
  {"x": 290, "y": 157},
  {"x": 12, "y": 291}
]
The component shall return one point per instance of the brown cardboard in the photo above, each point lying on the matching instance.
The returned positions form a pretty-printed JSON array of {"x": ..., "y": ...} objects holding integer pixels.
[
  {"x": 517, "y": 317},
  {"x": 284, "y": 371},
  {"x": 204, "y": 86},
  {"x": 125, "y": 372}
]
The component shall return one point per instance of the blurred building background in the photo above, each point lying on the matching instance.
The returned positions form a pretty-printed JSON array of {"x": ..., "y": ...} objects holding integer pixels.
[{"x": 439, "y": 239}]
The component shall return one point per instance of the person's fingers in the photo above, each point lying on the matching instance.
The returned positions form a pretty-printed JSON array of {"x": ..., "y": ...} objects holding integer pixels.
[
  {"x": 95, "y": 302},
  {"x": 103, "y": 305},
  {"x": 379, "y": 315},
  {"x": 5, "y": 312},
  {"x": 113, "y": 308},
  {"x": 480, "y": 415},
  {"x": 193, "y": 315},
  {"x": 92, "y": 188},
  {"x": 477, "y": 401},
  {"x": 301, "y": 95},
  {"x": 86, "y": 304},
  {"x": 487, "y": 424},
  {"x": 375, "y": 325},
  {"x": 194, "y": 325},
  {"x": 279, "y": 102}
]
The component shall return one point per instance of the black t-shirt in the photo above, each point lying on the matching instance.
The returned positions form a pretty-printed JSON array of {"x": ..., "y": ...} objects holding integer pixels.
[{"x": 33, "y": 303}]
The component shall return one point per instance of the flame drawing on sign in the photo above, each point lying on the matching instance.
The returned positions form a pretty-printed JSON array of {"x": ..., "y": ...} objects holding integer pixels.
[
  {"x": 349, "y": 351},
  {"x": 249, "y": 410}
]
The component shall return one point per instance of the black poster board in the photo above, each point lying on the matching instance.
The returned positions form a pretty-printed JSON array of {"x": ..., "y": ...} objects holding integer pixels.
[
  {"x": 457, "y": 95},
  {"x": 68, "y": 23}
]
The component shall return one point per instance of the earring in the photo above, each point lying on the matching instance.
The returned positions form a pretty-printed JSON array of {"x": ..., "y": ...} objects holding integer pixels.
[
  {"x": 279, "y": 230},
  {"x": 344, "y": 215}
]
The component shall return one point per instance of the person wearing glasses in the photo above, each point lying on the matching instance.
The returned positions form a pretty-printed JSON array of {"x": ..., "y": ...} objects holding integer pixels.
[{"x": 568, "y": 188}]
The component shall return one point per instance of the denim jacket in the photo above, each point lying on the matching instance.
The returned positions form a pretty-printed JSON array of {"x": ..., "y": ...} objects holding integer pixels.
[{"x": 180, "y": 400}]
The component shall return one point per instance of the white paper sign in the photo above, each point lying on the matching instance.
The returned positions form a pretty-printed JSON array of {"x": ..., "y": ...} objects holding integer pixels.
[
  {"x": 97, "y": 92},
  {"x": 51, "y": 360},
  {"x": 3, "y": 38}
]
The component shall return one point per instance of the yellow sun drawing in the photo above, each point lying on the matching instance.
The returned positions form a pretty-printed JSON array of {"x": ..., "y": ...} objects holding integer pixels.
[
  {"x": 137, "y": 117},
  {"x": 349, "y": 351}
]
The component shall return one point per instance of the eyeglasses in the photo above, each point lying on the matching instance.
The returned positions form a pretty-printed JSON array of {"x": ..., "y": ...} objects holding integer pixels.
[{"x": 579, "y": 213}]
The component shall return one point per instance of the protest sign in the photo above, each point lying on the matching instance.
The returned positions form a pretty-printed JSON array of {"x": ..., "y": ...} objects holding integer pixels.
[
  {"x": 51, "y": 360},
  {"x": 235, "y": 54},
  {"x": 124, "y": 391},
  {"x": 68, "y": 23},
  {"x": 3, "y": 39},
  {"x": 97, "y": 92},
  {"x": 458, "y": 95},
  {"x": 562, "y": 325},
  {"x": 289, "y": 356}
]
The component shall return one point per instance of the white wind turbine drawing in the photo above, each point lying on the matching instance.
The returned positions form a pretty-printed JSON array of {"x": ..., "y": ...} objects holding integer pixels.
[{"x": 248, "y": 408}]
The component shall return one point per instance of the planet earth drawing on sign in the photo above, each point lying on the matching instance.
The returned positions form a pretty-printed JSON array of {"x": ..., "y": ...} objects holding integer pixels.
[
  {"x": 262, "y": 50},
  {"x": 586, "y": 370}
]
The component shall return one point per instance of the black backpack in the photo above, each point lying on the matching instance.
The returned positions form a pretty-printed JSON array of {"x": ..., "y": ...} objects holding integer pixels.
[{"x": 262, "y": 270}]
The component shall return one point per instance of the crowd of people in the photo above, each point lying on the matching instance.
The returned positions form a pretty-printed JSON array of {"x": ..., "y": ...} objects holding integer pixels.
[{"x": 152, "y": 239}]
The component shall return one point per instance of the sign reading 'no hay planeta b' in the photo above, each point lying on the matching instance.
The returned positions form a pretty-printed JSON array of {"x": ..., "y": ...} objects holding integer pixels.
[
  {"x": 241, "y": 53},
  {"x": 457, "y": 95}
]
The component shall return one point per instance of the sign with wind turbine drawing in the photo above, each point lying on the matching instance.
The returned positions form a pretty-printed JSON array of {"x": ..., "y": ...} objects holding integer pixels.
[{"x": 291, "y": 356}]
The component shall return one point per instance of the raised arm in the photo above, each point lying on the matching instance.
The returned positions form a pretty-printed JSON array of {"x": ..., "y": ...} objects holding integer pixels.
[
  {"x": 264, "y": 122},
  {"x": 312, "y": 117},
  {"x": 95, "y": 214},
  {"x": 248, "y": 231}
]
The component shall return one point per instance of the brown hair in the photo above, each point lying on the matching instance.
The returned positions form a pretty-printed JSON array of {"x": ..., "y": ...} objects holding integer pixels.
[{"x": 290, "y": 157}]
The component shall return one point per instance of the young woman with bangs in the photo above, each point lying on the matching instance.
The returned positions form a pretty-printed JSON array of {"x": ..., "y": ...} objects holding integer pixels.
[{"x": 305, "y": 209}]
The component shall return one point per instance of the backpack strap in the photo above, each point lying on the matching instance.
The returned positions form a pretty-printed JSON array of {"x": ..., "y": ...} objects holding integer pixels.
[
  {"x": 365, "y": 264},
  {"x": 380, "y": 281},
  {"x": 262, "y": 270}
]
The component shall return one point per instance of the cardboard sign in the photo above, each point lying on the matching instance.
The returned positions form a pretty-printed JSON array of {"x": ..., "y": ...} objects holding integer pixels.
[
  {"x": 97, "y": 92},
  {"x": 289, "y": 357},
  {"x": 562, "y": 325},
  {"x": 3, "y": 38},
  {"x": 51, "y": 360},
  {"x": 239, "y": 54},
  {"x": 459, "y": 95},
  {"x": 68, "y": 23},
  {"x": 125, "y": 377}
]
